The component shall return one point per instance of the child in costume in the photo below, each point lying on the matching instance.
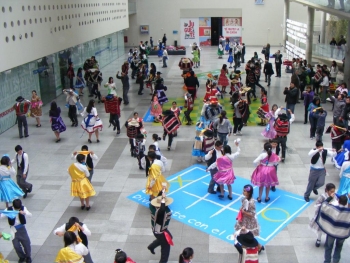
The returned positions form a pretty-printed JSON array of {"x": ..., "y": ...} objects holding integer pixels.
[
  {"x": 227, "y": 45},
  {"x": 220, "y": 50},
  {"x": 223, "y": 80},
  {"x": 170, "y": 123},
  {"x": 329, "y": 190},
  {"x": 230, "y": 58},
  {"x": 155, "y": 139},
  {"x": 264, "y": 108},
  {"x": 206, "y": 139},
  {"x": 247, "y": 246},
  {"x": 265, "y": 174},
  {"x": 208, "y": 86},
  {"x": 139, "y": 148},
  {"x": 195, "y": 59},
  {"x": 156, "y": 108},
  {"x": 344, "y": 185},
  {"x": 269, "y": 132},
  {"x": 134, "y": 126},
  {"x": 342, "y": 156}
]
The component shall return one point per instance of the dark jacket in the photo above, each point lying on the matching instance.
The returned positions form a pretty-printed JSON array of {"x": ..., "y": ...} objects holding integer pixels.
[
  {"x": 278, "y": 58},
  {"x": 191, "y": 81},
  {"x": 291, "y": 95},
  {"x": 346, "y": 112},
  {"x": 268, "y": 70},
  {"x": 124, "y": 79}
]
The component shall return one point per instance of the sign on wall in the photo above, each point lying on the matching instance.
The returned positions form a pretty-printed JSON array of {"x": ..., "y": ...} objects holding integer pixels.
[
  {"x": 232, "y": 28},
  {"x": 189, "y": 31},
  {"x": 205, "y": 31}
]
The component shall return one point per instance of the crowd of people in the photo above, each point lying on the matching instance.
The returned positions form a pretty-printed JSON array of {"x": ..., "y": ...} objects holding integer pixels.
[{"x": 211, "y": 144}]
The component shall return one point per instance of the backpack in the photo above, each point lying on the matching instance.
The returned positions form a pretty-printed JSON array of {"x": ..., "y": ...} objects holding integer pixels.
[{"x": 281, "y": 127}]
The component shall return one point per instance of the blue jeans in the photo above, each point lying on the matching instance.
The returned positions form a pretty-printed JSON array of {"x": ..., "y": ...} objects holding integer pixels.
[
  {"x": 329, "y": 247},
  {"x": 290, "y": 107},
  {"x": 223, "y": 138},
  {"x": 164, "y": 61}
]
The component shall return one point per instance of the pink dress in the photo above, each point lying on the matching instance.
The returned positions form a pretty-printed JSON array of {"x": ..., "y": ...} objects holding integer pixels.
[
  {"x": 265, "y": 173},
  {"x": 156, "y": 108},
  {"x": 269, "y": 131},
  {"x": 225, "y": 173},
  {"x": 223, "y": 80}
]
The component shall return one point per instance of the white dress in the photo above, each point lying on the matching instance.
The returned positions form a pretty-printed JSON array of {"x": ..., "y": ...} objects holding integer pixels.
[{"x": 91, "y": 122}]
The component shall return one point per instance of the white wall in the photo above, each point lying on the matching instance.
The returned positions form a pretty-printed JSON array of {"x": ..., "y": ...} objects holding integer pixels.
[
  {"x": 82, "y": 20},
  {"x": 163, "y": 16}
]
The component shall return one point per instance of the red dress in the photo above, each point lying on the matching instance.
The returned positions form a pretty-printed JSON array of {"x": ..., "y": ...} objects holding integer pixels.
[
  {"x": 213, "y": 95},
  {"x": 223, "y": 80},
  {"x": 207, "y": 94}
]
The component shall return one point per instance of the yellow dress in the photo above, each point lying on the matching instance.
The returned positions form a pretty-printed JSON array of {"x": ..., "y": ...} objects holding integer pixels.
[
  {"x": 2, "y": 259},
  {"x": 80, "y": 186},
  {"x": 156, "y": 179},
  {"x": 67, "y": 255}
]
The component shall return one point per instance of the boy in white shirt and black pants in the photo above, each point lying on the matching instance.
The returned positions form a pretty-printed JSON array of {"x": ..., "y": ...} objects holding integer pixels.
[
  {"x": 317, "y": 174},
  {"x": 22, "y": 170},
  {"x": 21, "y": 241}
]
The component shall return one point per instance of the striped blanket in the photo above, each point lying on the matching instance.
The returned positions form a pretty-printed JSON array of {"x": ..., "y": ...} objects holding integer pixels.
[
  {"x": 171, "y": 123},
  {"x": 334, "y": 220}
]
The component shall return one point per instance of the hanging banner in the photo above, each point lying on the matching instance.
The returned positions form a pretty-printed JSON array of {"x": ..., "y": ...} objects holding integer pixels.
[
  {"x": 232, "y": 28},
  {"x": 205, "y": 31},
  {"x": 189, "y": 31}
]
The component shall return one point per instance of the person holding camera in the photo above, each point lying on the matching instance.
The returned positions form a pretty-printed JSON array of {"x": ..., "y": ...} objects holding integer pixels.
[{"x": 291, "y": 98}]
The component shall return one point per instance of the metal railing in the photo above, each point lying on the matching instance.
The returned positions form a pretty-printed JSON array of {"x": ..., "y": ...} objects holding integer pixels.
[
  {"x": 328, "y": 51},
  {"x": 342, "y": 5}
]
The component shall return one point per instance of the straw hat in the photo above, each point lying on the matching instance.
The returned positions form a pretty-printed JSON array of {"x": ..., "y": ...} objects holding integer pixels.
[{"x": 158, "y": 200}]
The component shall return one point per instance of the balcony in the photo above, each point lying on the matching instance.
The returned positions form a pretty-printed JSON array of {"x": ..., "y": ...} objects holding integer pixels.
[
  {"x": 132, "y": 7},
  {"x": 340, "y": 8}
]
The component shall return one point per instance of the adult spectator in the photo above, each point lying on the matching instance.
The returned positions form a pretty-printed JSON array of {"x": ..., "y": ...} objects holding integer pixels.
[
  {"x": 339, "y": 104},
  {"x": 291, "y": 98},
  {"x": 324, "y": 86},
  {"x": 165, "y": 57},
  {"x": 268, "y": 71},
  {"x": 243, "y": 52},
  {"x": 333, "y": 43},
  {"x": 345, "y": 115},
  {"x": 70, "y": 74},
  {"x": 164, "y": 40},
  {"x": 278, "y": 63},
  {"x": 341, "y": 47},
  {"x": 333, "y": 72},
  {"x": 124, "y": 78}
]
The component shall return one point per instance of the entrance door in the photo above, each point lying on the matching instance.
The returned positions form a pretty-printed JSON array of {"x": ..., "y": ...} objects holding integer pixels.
[{"x": 216, "y": 30}]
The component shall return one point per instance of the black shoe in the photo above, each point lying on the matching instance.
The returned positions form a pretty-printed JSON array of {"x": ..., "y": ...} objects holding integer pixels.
[
  {"x": 318, "y": 243},
  {"x": 98, "y": 140},
  {"x": 140, "y": 168},
  {"x": 261, "y": 249},
  {"x": 273, "y": 188},
  {"x": 76, "y": 125},
  {"x": 267, "y": 199},
  {"x": 229, "y": 197},
  {"x": 25, "y": 196},
  {"x": 29, "y": 190},
  {"x": 114, "y": 128},
  {"x": 212, "y": 192},
  {"x": 88, "y": 208},
  {"x": 21, "y": 260},
  {"x": 21, "y": 137},
  {"x": 151, "y": 250},
  {"x": 90, "y": 96},
  {"x": 82, "y": 207},
  {"x": 73, "y": 124},
  {"x": 315, "y": 191},
  {"x": 28, "y": 260},
  {"x": 89, "y": 141},
  {"x": 126, "y": 103},
  {"x": 26, "y": 136},
  {"x": 307, "y": 199}
]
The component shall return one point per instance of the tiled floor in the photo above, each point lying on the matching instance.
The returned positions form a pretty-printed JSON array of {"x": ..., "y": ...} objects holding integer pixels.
[{"x": 117, "y": 222}]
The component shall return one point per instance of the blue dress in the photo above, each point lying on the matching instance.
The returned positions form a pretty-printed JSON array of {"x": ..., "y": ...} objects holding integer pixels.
[
  {"x": 230, "y": 58},
  {"x": 227, "y": 46},
  {"x": 80, "y": 83},
  {"x": 9, "y": 190},
  {"x": 160, "y": 50},
  {"x": 344, "y": 186},
  {"x": 340, "y": 158}
]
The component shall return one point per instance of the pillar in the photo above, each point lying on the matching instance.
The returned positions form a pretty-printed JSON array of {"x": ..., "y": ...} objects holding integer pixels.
[
  {"x": 347, "y": 58},
  {"x": 286, "y": 16},
  {"x": 309, "y": 33},
  {"x": 323, "y": 28}
]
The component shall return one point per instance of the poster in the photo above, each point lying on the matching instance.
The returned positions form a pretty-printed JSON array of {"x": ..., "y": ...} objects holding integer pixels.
[
  {"x": 144, "y": 29},
  {"x": 232, "y": 28},
  {"x": 189, "y": 31},
  {"x": 205, "y": 31}
]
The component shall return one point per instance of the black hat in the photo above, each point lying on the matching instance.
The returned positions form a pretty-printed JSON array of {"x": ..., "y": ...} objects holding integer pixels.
[
  {"x": 283, "y": 116},
  {"x": 247, "y": 240},
  {"x": 168, "y": 113},
  {"x": 208, "y": 133},
  {"x": 20, "y": 99},
  {"x": 158, "y": 72}
]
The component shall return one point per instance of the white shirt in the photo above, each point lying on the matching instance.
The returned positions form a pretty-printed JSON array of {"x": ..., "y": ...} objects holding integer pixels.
[
  {"x": 292, "y": 116},
  {"x": 209, "y": 155},
  {"x": 162, "y": 159},
  {"x": 165, "y": 53},
  {"x": 62, "y": 229},
  {"x": 230, "y": 156},
  {"x": 319, "y": 163},
  {"x": 156, "y": 144},
  {"x": 79, "y": 248},
  {"x": 5, "y": 171},
  {"x": 262, "y": 156},
  {"x": 112, "y": 89},
  {"x": 26, "y": 161},
  {"x": 93, "y": 112},
  {"x": 17, "y": 222},
  {"x": 325, "y": 82}
]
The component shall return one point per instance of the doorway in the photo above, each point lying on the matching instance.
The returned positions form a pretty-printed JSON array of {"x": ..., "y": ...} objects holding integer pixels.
[{"x": 216, "y": 30}]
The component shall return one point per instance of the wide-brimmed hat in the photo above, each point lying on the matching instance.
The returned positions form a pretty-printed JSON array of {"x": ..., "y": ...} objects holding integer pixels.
[
  {"x": 247, "y": 240},
  {"x": 214, "y": 102},
  {"x": 134, "y": 123},
  {"x": 158, "y": 200},
  {"x": 208, "y": 133},
  {"x": 168, "y": 113},
  {"x": 158, "y": 73},
  {"x": 283, "y": 116},
  {"x": 20, "y": 99}
]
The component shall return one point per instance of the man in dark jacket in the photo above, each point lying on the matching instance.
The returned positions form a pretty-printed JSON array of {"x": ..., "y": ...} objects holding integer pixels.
[
  {"x": 125, "y": 82},
  {"x": 243, "y": 53},
  {"x": 346, "y": 112},
  {"x": 192, "y": 83},
  {"x": 278, "y": 63},
  {"x": 268, "y": 71},
  {"x": 291, "y": 98}
]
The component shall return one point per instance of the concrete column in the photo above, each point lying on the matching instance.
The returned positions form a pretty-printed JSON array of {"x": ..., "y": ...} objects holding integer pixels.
[
  {"x": 347, "y": 58},
  {"x": 309, "y": 33},
  {"x": 323, "y": 28},
  {"x": 286, "y": 16}
]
